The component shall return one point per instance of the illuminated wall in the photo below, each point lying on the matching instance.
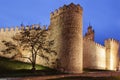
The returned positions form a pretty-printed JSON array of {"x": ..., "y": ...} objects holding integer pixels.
[
  {"x": 94, "y": 56},
  {"x": 66, "y": 29},
  {"x": 6, "y": 34},
  {"x": 73, "y": 52},
  {"x": 112, "y": 57}
]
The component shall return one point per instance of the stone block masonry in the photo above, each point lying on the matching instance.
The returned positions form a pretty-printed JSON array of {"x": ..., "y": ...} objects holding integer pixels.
[
  {"x": 74, "y": 52},
  {"x": 67, "y": 23},
  {"x": 94, "y": 56}
]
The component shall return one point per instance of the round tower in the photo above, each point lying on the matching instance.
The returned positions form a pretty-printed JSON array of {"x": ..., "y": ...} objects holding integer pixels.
[
  {"x": 66, "y": 30},
  {"x": 112, "y": 56}
]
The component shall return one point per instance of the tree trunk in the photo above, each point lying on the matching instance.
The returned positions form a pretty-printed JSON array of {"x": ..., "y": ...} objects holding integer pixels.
[{"x": 33, "y": 67}]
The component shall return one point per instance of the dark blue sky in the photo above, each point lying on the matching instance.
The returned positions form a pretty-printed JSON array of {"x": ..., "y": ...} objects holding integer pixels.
[{"x": 104, "y": 15}]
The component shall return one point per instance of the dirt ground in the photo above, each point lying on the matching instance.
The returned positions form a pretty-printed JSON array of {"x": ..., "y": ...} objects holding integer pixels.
[{"x": 88, "y": 74}]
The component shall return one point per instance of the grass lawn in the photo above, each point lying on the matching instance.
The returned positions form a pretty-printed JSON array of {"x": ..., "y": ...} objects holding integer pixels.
[
  {"x": 8, "y": 64},
  {"x": 12, "y": 68}
]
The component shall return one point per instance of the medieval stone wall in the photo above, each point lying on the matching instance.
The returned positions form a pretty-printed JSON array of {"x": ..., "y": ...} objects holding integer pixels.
[
  {"x": 73, "y": 52},
  {"x": 94, "y": 55},
  {"x": 66, "y": 26},
  {"x": 6, "y": 34},
  {"x": 112, "y": 54}
]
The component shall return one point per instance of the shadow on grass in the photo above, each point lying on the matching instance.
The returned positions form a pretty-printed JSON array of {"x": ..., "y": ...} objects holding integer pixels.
[
  {"x": 26, "y": 73},
  {"x": 12, "y": 68}
]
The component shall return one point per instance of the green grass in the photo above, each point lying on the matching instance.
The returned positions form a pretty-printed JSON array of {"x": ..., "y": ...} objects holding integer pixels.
[
  {"x": 12, "y": 68},
  {"x": 8, "y": 64}
]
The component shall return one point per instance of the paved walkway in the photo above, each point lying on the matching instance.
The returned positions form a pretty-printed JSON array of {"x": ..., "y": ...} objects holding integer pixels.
[{"x": 89, "y": 74}]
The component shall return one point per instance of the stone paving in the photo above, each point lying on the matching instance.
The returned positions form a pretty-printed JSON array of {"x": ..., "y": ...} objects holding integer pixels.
[{"x": 89, "y": 74}]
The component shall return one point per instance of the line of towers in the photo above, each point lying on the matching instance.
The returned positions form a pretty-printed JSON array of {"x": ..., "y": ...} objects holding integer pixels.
[
  {"x": 66, "y": 30},
  {"x": 111, "y": 48},
  {"x": 66, "y": 24}
]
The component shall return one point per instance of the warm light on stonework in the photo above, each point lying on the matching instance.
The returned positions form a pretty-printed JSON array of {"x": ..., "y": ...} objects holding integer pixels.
[
  {"x": 101, "y": 59},
  {"x": 111, "y": 62},
  {"x": 73, "y": 51}
]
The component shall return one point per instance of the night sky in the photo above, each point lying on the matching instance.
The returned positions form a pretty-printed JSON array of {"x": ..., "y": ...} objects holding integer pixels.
[{"x": 103, "y": 15}]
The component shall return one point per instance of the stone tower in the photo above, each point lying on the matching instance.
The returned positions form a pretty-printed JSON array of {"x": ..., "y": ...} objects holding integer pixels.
[
  {"x": 66, "y": 29},
  {"x": 112, "y": 49},
  {"x": 90, "y": 33}
]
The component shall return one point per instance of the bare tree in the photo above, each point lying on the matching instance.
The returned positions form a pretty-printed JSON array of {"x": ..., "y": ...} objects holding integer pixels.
[{"x": 35, "y": 40}]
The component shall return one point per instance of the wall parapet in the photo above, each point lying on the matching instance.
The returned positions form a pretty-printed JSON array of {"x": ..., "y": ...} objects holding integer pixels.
[
  {"x": 8, "y": 29},
  {"x": 65, "y": 8},
  {"x": 112, "y": 40},
  {"x": 97, "y": 44},
  {"x": 17, "y": 28}
]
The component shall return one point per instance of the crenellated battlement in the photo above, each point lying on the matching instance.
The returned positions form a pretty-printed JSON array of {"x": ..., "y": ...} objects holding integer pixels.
[
  {"x": 95, "y": 43},
  {"x": 112, "y": 40},
  {"x": 17, "y": 28},
  {"x": 74, "y": 52},
  {"x": 65, "y": 8},
  {"x": 8, "y": 29},
  {"x": 99, "y": 45}
]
